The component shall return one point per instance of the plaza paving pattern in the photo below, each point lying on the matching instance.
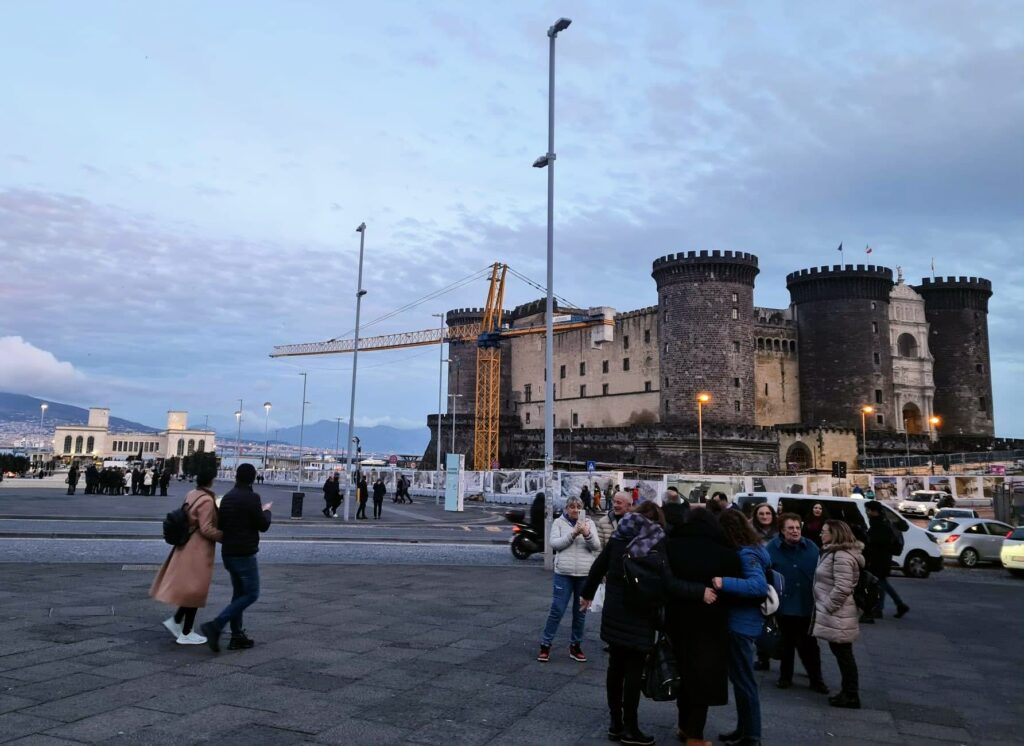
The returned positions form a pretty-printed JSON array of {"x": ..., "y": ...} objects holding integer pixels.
[{"x": 444, "y": 655}]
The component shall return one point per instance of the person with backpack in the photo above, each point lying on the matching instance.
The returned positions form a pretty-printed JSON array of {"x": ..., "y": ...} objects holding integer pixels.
[
  {"x": 835, "y": 611},
  {"x": 746, "y": 623},
  {"x": 242, "y": 520},
  {"x": 184, "y": 578},
  {"x": 628, "y": 622},
  {"x": 574, "y": 539},
  {"x": 884, "y": 542}
]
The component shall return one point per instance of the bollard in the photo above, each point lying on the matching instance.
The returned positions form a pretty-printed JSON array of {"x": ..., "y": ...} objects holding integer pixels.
[{"x": 297, "y": 498}]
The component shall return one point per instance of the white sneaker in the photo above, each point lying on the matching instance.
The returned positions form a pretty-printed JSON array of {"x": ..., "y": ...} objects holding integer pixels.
[
  {"x": 172, "y": 626},
  {"x": 191, "y": 639}
]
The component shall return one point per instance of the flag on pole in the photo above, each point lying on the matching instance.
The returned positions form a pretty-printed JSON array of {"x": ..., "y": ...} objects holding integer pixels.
[
  {"x": 840, "y": 249},
  {"x": 868, "y": 249}
]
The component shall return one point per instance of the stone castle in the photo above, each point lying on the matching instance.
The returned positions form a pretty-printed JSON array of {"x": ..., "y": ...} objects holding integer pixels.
[{"x": 787, "y": 386}]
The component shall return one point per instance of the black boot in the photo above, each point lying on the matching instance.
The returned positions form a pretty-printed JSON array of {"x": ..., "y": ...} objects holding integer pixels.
[
  {"x": 633, "y": 736},
  {"x": 845, "y": 700},
  {"x": 901, "y": 610},
  {"x": 615, "y": 727},
  {"x": 733, "y": 735}
]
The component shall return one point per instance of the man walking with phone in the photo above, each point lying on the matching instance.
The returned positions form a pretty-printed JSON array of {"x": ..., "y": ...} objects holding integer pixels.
[{"x": 242, "y": 519}]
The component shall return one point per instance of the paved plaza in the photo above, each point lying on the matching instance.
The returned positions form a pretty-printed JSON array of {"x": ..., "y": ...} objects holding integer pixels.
[{"x": 367, "y": 654}]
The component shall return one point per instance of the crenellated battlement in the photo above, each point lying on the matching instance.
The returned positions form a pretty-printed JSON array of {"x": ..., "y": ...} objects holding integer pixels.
[
  {"x": 840, "y": 271},
  {"x": 705, "y": 266},
  {"x": 840, "y": 282},
  {"x": 966, "y": 283}
]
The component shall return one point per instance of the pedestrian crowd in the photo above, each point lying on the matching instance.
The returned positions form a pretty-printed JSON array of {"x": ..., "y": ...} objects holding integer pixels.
[
  {"x": 724, "y": 592},
  {"x": 115, "y": 480}
]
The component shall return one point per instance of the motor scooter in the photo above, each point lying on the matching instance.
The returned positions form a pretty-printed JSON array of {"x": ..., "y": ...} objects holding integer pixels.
[{"x": 526, "y": 540}]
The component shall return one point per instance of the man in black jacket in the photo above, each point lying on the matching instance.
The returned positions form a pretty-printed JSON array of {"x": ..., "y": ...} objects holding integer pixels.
[
  {"x": 242, "y": 519},
  {"x": 878, "y": 552}
]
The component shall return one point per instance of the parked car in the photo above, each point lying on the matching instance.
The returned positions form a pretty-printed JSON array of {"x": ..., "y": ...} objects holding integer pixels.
[
  {"x": 955, "y": 513},
  {"x": 920, "y": 555},
  {"x": 970, "y": 540},
  {"x": 1012, "y": 553},
  {"x": 925, "y": 502}
]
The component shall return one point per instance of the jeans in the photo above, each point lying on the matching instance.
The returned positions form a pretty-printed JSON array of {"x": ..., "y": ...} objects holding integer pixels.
[
  {"x": 245, "y": 585},
  {"x": 796, "y": 638},
  {"x": 843, "y": 651},
  {"x": 622, "y": 683},
  {"x": 744, "y": 686},
  {"x": 886, "y": 588},
  {"x": 566, "y": 589}
]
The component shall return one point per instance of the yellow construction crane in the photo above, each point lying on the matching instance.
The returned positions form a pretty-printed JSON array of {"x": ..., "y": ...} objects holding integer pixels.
[{"x": 488, "y": 335}]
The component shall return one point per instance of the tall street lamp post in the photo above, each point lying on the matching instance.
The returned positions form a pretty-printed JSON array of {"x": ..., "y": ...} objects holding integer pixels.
[
  {"x": 935, "y": 421},
  {"x": 864, "y": 412},
  {"x": 42, "y": 412},
  {"x": 440, "y": 377},
  {"x": 453, "y": 397},
  {"x": 361, "y": 230},
  {"x": 266, "y": 436},
  {"x": 548, "y": 160},
  {"x": 702, "y": 399},
  {"x": 337, "y": 440},
  {"x": 238, "y": 436},
  {"x": 302, "y": 429}
]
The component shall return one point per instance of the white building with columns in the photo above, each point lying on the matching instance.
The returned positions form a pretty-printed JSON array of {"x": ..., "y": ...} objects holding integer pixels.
[
  {"x": 913, "y": 383},
  {"x": 94, "y": 439}
]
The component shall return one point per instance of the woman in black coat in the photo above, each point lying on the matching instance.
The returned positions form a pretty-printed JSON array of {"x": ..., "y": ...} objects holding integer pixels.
[
  {"x": 696, "y": 621},
  {"x": 627, "y": 628}
]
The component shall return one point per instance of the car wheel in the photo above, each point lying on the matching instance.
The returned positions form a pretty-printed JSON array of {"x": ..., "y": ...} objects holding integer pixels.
[
  {"x": 969, "y": 557},
  {"x": 916, "y": 565}
]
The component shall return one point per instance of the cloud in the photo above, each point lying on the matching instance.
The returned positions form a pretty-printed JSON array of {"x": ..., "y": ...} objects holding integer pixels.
[{"x": 26, "y": 369}]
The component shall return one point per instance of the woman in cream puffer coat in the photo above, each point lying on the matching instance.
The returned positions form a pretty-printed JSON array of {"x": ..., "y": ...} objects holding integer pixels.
[{"x": 836, "y": 617}]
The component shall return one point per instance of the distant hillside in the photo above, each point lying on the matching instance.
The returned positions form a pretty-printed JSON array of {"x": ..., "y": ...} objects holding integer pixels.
[
  {"x": 324, "y": 434},
  {"x": 17, "y": 408}
]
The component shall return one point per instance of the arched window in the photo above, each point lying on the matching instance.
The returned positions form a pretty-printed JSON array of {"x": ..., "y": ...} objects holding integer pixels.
[
  {"x": 67, "y": 444},
  {"x": 90, "y": 444},
  {"x": 201, "y": 446},
  {"x": 907, "y": 345},
  {"x": 792, "y": 347},
  {"x": 760, "y": 343},
  {"x": 181, "y": 448},
  {"x": 798, "y": 457},
  {"x": 78, "y": 444},
  {"x": 912, "y": 420},
  {"x": 191, "y": 447},
  {"x": 776, "y": 345}
]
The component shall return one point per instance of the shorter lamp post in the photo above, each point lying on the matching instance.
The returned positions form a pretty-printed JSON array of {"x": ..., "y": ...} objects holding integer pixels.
[
  {"x": 935, "y": 421},
  {"x": 266, "y": 437},
  {"x": 864, "y": 412},
  {"x": 702, "y": 399},
  {"x": 238, "y": 437},
  {"x": 42, "y": 412}
]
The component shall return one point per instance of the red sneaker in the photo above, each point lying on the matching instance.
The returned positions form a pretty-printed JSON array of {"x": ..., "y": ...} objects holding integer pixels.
[
  {"x": 576, "y": 653},
  {"x": 545, "y": 653}
]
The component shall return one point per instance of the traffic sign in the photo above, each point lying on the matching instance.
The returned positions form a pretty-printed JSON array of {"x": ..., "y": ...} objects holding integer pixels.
[{"x": 591, "y": 465}]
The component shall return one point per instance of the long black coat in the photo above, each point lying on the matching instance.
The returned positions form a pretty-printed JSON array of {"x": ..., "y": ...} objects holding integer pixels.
[
  {"x": 699, "y": 632},
  {"x": 621, "y": 624},
  {"x": 880, "y": 547}
]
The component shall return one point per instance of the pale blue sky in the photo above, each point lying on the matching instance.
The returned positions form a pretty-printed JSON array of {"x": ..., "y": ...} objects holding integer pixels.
[{"x": 180, "y": 183}]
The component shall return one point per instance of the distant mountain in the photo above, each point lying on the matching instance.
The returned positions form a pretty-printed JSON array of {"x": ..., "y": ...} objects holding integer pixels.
[
  {"x": 323, "y": 434},
  {"x": 17, "y": 408}
]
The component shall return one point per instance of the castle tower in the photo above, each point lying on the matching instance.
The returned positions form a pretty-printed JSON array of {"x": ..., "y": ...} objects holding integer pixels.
[
  {"x": 957, "y": 312},
  {"x": 462, "y": 363},
  {"x": 706, "y": 331},
  {"x": 842, "y": 316}
]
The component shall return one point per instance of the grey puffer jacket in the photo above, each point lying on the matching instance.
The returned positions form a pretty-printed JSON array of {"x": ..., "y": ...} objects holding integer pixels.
[
  {"x": 575, "y": 552},
  {"x": 836, "y": 618},
  {"x": 606, "y": 527}
]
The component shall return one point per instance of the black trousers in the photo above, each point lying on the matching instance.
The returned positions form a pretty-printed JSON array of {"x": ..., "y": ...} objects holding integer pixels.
[
  {"x": 186, "y": 617},
  {"x": 843, "y": 651},
  {"x": 625, "y": 671},
  {"x": 377, "y": 505},
  {"x": 796, "y": 638},
  {"x": 361, "y": 513}
]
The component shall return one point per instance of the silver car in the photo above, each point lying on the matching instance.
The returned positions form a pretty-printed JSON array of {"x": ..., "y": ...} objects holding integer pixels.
[{"x": 969, "y": 540}]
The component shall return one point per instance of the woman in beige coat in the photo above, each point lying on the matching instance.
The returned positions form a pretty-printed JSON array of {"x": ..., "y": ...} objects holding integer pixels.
[
  {"x": 836, "y": 618},
  {"x": 184, "y": 578}
]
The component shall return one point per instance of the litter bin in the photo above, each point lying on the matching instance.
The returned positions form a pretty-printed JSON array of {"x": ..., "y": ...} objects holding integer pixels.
[{"x": 297, "y": 498}]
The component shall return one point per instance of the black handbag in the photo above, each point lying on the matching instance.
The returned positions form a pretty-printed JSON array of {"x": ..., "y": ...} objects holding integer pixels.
[
  {"x": 661, "y": 676},
  {"x": 769, "y": 644}
]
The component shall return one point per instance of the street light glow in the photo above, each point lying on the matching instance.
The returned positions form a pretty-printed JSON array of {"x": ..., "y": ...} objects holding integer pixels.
[
  {"x": 935, "y": 420},
  {"x": 867, "y": 409},
  {"x": 703, "y": 398},
  {"x": 266, "y": 406}
]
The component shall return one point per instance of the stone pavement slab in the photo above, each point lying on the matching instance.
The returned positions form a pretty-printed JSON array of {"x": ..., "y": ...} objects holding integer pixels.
[{"x": 364, "y": 654}]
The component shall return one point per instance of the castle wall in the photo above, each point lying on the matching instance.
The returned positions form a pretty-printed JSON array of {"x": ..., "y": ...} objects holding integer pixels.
[
  {"x": 616, "y": 385},
  {"x": 824, "y": 444},
  {"x": 776, "y": 369}
]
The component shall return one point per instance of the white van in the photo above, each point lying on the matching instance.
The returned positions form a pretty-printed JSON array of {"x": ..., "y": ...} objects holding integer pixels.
[{"x": 921, "y": 555}]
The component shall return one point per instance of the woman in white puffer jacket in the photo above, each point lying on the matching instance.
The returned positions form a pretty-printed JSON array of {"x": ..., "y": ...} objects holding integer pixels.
[{"x": 575, "y": 540}]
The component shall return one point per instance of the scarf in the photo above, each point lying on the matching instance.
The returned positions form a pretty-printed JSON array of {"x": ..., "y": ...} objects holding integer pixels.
[{"x": 640, "y": 533}]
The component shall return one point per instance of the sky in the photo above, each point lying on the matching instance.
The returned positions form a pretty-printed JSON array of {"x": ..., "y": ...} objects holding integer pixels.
[{"x": 180, "y": 183}]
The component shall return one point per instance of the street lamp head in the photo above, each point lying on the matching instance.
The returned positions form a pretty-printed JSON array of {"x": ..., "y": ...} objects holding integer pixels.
[
  {"x": 44, "y": 406},
  {"x": 867, "y": 409},
  {"x": 935, "y": 420},
  {"x": 704, "y": 397},
  {"x": 560, "y": 25},
  {"x": 266, "y": 406},
  {"x": 361, "y": 228},
  {"x": 238, "y": 415},
  {"x": 542, "y": 162}
]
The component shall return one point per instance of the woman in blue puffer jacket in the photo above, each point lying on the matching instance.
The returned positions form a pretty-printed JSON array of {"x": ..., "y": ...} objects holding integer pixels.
[{"x": 745, "y": 624}]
